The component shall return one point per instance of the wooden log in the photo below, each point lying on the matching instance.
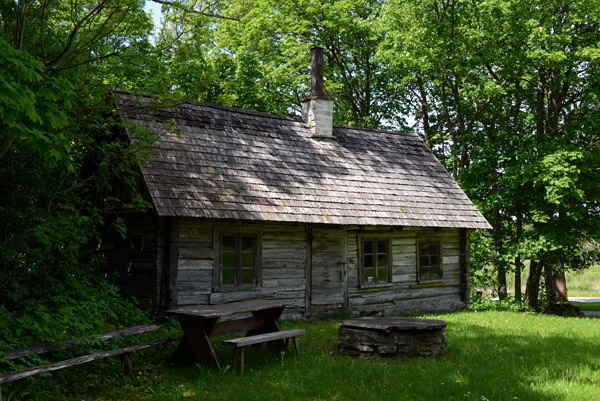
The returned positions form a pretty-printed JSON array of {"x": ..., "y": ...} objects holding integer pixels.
[
  {"x": 78, "y": 361},
  {"x": 48, "y": 347}
]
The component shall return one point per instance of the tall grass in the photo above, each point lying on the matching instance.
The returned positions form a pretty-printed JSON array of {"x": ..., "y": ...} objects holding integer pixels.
[{"x": 490, "y": 356}]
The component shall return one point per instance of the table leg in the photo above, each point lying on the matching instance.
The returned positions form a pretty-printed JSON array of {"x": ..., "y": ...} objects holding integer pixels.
[
  {"x": 270, "y": 325},
  {"x": 195, "y": 345}
]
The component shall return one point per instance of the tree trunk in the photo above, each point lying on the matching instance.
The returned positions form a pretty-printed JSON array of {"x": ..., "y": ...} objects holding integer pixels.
[
  {"x": 518, "y": 294},
  {"x": 559, "y": 284},
  {"x": 502, "y": 291},
  {"x": 533, "y": 282},
  {"x": 550, "y": 288},
  {"x": 424, "y": 110}
]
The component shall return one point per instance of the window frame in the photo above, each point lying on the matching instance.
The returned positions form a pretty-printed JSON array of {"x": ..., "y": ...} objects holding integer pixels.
[
  {"x": 430, "y": 241},
  {"x": 361, "y": 270},
  {"x": 218, "y": 265}
]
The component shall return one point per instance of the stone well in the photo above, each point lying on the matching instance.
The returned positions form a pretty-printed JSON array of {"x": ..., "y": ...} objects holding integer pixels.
[{"x": 392, "y": 336}]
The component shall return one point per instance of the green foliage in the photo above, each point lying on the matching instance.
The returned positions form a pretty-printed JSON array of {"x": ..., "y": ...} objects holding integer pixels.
[
  {"x": 505, "y": 305},
  {"x": 58, "y": 155}
]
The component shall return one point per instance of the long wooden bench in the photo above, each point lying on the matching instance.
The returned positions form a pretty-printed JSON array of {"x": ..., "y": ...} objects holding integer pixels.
[
  {"x": 49, "y": 347},
  {"x": 242, "y": 342}
]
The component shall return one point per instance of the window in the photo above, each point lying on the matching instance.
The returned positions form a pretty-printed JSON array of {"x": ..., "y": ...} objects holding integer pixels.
[
  {"x": 375, "y": 260},
  {"x": 430, "y": 260},
  {"x": 238, "y": 262}
]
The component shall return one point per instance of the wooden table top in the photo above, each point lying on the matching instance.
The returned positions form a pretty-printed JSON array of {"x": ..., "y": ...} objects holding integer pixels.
[
  {"x": 394, "y": 324},
  {"x": 216, "y": 311}
]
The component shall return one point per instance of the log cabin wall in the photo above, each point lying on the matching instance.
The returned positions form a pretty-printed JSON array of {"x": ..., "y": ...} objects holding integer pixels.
[
  {"x": 283, "y": 262},
  {"x": 131, "y": 262},
  {"x": 294, "y": 267},
  {"x": 406, "y": 294}
]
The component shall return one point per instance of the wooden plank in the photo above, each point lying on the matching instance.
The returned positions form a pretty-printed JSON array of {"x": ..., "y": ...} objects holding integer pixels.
[
  {"x": 196, "y": 252},
  {"x": 237, "y": 325},
  {"x": 49, "y": 347},
  {"x": 263, "y": 338},
  {"x": 185, "y": 264},
  {"x": 195, "y": 275},
  {"x": 390, "y": 324},
  {"x": 288, "y": 273},
  {"x": 298, "y": 244},
  {"x": 216, "y": 311},
  {"x": 78, "y": 361},
  {"x": 275, "y": 263}
]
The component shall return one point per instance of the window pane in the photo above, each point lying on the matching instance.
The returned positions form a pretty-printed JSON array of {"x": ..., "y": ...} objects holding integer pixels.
[
  {"x": 228, "y": 276},
  {"x": 248, "y": 259},
  {"x": 382, "y": 246},
  {"x": 228, "y": 259},
  {"x": 368, "y": 275},
  {"x": 368, "y": 261},
  {"x": 247, "y": 276},
  {"x": 424, "y": 261},
  {"x": 368, "y": 246},
  {"x": 382, "y": 260},
  {"x": 433, "y": 249},
  {"x": 228, "y": 243},
  {"x": 424, "y": 249},
  {"x": 247, "y": 243},
  {"x": 434, "y": 260},
  {"x": 382, "y": 274}
]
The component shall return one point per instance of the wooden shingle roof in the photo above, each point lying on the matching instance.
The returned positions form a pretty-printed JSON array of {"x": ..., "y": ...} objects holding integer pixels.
[{"x": 225, "y": 163}]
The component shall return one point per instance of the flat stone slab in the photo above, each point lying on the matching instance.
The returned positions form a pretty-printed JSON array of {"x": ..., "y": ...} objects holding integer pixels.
[
  {"x": 390, "y": 324},
  {"x": 392, "y": 336}
]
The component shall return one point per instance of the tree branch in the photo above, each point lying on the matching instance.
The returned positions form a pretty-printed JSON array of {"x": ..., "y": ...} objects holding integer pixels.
[{"x": 191, "y": 10}]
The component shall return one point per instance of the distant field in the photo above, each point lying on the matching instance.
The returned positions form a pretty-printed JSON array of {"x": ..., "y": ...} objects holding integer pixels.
[{"x": 578, "y": 285}]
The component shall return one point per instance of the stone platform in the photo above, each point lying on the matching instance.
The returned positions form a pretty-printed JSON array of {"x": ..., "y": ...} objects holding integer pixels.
[{"x": 392, "y": 336}]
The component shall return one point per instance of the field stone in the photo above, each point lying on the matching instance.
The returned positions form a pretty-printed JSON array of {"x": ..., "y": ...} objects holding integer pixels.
[{"x": 403, "y": 343}]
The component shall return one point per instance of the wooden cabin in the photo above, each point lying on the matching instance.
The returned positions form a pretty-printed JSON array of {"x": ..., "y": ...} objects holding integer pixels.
[{"x": 249, "y": 205}]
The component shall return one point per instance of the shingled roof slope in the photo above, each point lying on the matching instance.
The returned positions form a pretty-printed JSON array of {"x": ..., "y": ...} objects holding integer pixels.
[{"x": 224, "y": 163}]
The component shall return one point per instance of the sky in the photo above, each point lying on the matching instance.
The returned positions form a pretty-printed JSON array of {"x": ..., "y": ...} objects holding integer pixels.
[{"x": 154, "y": 8}]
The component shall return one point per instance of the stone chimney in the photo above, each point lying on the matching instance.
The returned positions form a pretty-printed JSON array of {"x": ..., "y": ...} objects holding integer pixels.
[{"x": 317, "y": 108}]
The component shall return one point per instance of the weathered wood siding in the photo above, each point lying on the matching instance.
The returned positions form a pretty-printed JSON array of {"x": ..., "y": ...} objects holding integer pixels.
[
  {"x": 328, "y": 270},
  {"x": 404, "y": 294},
  {"x": 131, "y": 262},
  {"x": 283, "y": 264},
  {"x": 317, "y": 268}
]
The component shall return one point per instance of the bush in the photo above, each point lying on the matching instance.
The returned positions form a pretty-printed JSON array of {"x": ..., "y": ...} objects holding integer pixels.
[{"x": 507, "y": 305}]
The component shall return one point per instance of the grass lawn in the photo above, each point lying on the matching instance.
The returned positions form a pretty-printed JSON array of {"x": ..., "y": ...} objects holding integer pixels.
[
  {"x": 490, "y": 356},
  {"x": 590, "y": 306}
]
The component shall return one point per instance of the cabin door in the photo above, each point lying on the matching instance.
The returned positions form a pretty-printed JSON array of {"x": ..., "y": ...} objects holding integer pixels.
[{"x": 328, "y": 276}]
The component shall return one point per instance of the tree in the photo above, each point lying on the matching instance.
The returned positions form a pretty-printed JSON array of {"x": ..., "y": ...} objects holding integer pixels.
[{"x": 510, "y": 90}]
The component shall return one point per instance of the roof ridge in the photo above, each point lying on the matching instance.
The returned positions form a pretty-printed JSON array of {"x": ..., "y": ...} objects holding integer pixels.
[
  {"x": 211, "y": 105},
  {"x": 260, "y": 113},
  {"x": 385, "y": 131}
]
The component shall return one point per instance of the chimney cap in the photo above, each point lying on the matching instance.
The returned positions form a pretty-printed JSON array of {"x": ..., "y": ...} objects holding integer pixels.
[{"x": 316, "y": 74}]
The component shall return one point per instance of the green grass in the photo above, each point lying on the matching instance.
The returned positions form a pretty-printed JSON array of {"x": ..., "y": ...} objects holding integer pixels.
[
  {"x": 588, "y": 306},
  {"x": 490, "y": 356},
  {"x": 584, "y": 285}
]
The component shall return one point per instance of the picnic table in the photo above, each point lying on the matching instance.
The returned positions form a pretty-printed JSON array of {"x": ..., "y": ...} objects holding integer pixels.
[{"x": 201, "y": 322}]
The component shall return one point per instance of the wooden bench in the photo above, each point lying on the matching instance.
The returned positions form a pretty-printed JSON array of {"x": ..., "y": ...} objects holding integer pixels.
[
  {"x": 49, "y": 347},
  {"x": 242, "y": 342}
]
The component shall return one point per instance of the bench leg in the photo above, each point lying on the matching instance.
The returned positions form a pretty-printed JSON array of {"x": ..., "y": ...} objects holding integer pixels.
[
  {"x": 241, "y": 360},
  {"x": 296, "y": 345},
  {"x": 235, "y": 354},
  {"x": 127, "y": 366}
]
